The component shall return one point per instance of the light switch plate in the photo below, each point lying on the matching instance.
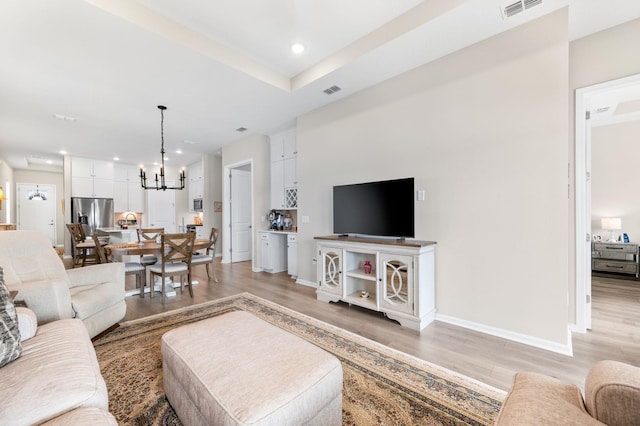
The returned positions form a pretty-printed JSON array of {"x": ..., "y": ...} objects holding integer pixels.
[{"x": 421, "y": 195}]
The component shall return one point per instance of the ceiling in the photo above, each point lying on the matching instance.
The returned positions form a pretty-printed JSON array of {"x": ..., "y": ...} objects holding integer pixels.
[{"x": 86, "y": 76}]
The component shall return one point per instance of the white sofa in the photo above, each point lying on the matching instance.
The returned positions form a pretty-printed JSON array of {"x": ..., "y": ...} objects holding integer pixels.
[
  {"x": 95, "y": 294},
  {"x": 56, "y": 380}
]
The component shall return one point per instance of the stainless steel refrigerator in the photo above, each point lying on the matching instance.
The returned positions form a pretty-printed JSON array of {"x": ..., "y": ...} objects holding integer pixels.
[{"x": 92, "y": 213}]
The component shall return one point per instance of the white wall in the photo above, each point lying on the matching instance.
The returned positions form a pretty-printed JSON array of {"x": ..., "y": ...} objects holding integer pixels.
[
  {"x": 212, "y": 164},
  {"x": 254, "y": 148},
  {"x": 614, "y": 177},
  {"x": 7, "y": 181},
  {"x": 484, "y": 132}
]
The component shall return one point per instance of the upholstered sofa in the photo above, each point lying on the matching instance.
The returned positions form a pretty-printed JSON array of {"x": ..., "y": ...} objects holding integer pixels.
[
  {"x": 56, "y": 379},
  {"x": 95, "y": 294},
  {"x": 612, "y": 397}
]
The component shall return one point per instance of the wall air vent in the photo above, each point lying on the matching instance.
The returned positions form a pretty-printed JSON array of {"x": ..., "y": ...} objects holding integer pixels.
[
  {"x": 519, "y": 6},
  {"x": 331, "y": 90}
]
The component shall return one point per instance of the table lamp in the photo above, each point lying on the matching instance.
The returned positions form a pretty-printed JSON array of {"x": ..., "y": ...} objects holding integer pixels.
[{"x": 611, "y": 224}]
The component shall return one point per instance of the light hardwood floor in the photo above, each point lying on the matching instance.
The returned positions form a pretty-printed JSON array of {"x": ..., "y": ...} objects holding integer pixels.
[{"x": 615, "y": 333}]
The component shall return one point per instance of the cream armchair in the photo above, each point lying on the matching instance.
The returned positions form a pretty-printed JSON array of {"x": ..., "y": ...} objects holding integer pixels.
[
  {"x": 95, "y": 294},
  {"x": 612, "y": 397}
]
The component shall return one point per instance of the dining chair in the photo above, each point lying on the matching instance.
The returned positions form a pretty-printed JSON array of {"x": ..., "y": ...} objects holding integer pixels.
[
  {"x": 176, "y": 252},
  {"x": 81, "y": 246},
  {"x": 149, "y": 234},
  {"x": 209, "y": 256},
  {"x": 130, "y": 268}
]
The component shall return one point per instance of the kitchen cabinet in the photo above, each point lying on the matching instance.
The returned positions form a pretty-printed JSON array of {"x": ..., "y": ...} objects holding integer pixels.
[
  {"x": 284, "y": 180},
  {"x": 292, "y": 255},
  {"x": 91, "y": 178},
  {"x": 196, "y": 183},
  {"x": 273, "y": 251},
  {"x": 128, "y": 195}
]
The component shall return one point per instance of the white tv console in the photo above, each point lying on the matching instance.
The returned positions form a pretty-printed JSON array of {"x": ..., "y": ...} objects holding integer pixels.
[{"x": 401, "y": 282}]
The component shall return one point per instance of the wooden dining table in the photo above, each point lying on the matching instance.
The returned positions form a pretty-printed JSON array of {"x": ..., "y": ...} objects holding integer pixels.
[{"x": 135, "y": 248}]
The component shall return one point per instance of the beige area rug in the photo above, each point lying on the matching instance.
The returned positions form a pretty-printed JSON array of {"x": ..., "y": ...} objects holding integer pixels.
[{"x": 382, "y": 386}]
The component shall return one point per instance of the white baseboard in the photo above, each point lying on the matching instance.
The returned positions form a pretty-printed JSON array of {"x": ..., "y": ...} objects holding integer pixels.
[
  {"x": 510, "y": 335},
  {"x": 307, "y": 283}
]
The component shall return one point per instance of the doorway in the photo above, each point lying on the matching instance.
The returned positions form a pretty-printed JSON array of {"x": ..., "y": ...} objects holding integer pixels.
[
  {"x": 587, "y": 104},
  {"x": 36, "y": 209},
  {"x": 238, "y": 189}
]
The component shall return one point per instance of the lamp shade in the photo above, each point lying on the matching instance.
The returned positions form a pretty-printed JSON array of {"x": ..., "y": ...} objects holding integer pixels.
[
  {"x": 2, "y": 196},
  {"x": 611, "y": 223}
]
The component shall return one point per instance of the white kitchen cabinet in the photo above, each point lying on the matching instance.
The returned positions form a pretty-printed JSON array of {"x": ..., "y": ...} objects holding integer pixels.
[
  {"x": 273, "y": 252},
  {"x": 277, "y": 185},
  {"x": 284, "y": 180},
  {"x": 91, "y": 178},
  {"x": 292, "y": 255},
  {"x": 398, "y": 278},
  {"x": 196, "y": 183},
  {"x": 128, "y": 195}
]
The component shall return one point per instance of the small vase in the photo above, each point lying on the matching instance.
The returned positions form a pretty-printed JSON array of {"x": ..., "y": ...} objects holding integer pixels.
[{"x": 367, "y": 267}]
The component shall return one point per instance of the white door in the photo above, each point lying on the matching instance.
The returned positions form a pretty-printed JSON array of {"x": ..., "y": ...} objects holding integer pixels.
[
  {"x": 162, "y": 209},
  {"x": 240, "y": 215},
  {"x": 37, "y": 209}
]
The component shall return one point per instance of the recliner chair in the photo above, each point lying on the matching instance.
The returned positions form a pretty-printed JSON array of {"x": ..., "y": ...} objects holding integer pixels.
[{"x": 95, "y": 294}]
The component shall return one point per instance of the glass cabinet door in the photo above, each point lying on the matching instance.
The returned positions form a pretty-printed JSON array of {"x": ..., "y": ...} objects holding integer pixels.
[
  {"x": 331, "y": 278},
  {"x": 396, "y": 283}
]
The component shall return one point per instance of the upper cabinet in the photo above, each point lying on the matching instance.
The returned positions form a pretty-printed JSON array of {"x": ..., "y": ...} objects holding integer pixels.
[
  {"x": 284, "y": 179},
  {"x": 196, "y": 183},
  {"x": 128, "y": 193},
  {"x": 91, "y": 178}
]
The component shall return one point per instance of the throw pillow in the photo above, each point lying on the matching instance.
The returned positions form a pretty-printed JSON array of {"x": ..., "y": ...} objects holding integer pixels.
[{"x": 10, "y": 347}]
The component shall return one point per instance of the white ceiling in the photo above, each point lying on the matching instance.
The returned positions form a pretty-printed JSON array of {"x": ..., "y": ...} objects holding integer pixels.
[{"x": 218, "y": 65}]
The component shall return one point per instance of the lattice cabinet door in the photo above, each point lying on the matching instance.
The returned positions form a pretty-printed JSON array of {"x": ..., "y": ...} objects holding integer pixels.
[
  {"x": 395, "y": 275},
  {"x": 291, "y": 198},
  {"x": 331, "y": 270}
]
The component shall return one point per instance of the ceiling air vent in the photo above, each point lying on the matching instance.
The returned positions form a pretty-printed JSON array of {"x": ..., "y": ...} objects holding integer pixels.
[
  {"x": 331, "y": 90},
  {"x": 241, "y": 129},
  {"x": 519, "y": 6}
]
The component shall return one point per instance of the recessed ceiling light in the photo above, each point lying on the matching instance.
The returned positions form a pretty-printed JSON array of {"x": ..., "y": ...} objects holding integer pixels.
[
  {"x": 64, "y": 117},
  {"x": 188, "y": 142},
  {"x": 178, "y": 151},
  {"x": 297, "y": 48},
  {"x": 63, "y": 152},
  {"x": 116, "y": 158}
]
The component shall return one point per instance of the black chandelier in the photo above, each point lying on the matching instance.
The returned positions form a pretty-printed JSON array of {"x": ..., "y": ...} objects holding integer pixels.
[{"x": 160, "y": 183}]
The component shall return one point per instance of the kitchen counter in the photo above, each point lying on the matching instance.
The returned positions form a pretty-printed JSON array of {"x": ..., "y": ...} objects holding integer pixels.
[{"x": 273, "y": 231}]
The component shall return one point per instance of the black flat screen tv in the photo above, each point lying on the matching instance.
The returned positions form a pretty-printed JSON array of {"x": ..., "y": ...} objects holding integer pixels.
[{"x": 384, "y": 208}]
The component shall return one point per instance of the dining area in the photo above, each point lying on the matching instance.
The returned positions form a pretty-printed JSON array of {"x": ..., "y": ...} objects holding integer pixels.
[{"x": 161, "y": 262}]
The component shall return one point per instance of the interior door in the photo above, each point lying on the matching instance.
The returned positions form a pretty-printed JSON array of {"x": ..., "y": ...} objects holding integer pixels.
[
  {"x": 162, "y": 209},
  {"x": 240, "y": 215},
  {"x": 37, "y": 209}
]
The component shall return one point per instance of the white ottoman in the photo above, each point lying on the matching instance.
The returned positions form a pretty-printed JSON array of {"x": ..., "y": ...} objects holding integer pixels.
[{"x": 236, "y": 369}]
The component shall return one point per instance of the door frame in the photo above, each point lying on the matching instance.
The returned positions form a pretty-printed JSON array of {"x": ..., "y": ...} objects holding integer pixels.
[
  {"x": 227, "y": 253},
  {"x": 583, "y": 195}
]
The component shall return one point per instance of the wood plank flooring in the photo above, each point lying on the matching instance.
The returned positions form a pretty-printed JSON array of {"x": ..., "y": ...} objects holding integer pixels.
[{"x": 615, "y": 333}]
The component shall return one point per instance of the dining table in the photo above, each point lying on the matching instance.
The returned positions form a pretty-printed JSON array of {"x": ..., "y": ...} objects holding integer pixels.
[{"x": 135, "y": 248}]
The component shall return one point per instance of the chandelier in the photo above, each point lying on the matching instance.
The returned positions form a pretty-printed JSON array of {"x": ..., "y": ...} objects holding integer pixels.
[{"x": 160, "y": 182}]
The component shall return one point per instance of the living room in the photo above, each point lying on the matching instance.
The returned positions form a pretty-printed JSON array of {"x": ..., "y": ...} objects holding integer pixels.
[{"x": 487, "y": 133}]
